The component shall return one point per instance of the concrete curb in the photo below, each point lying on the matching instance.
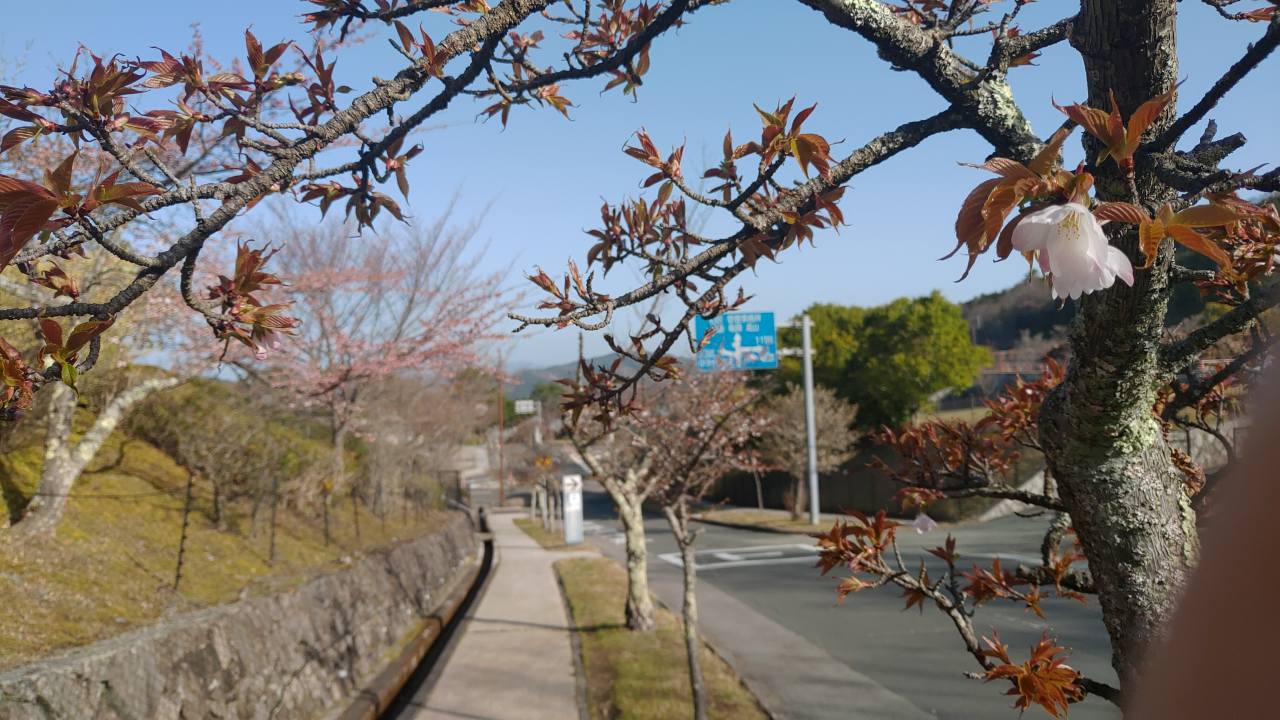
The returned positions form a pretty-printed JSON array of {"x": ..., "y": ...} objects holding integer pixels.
[
  {"x": 575, "y": 642},
  {"x": 747, "y": 526}
]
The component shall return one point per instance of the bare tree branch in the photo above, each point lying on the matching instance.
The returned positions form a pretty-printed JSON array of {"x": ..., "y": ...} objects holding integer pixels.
[
  {"x": 1256, "y": 53},
  {"x": 1176, "y": 356}
]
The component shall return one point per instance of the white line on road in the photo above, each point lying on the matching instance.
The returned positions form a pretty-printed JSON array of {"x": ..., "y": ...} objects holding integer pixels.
[
  {"x": 1026, "y": 559},
  {"x": 746, "y": 556}
]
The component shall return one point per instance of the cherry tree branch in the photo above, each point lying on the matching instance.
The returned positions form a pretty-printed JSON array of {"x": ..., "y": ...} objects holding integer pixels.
[
  {"x": 988, "y": 103},
  {"x": 408, "y": 81},
  {"x": 1178, "y": 355},
  {"x": 873, "y": 153},
  {"x": 1256, "y": 53}
]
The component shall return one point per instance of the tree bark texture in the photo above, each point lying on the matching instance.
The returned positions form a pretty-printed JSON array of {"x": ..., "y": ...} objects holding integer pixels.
[
  {"x": 639, "y": 611},
  {"x": 678, "y": 517},
  {"x": 639, "y": 602},
  {"x": 1103, "y": 443}
]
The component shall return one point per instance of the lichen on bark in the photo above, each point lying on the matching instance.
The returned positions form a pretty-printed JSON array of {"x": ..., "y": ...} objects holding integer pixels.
[{"x": 1126, "y": 499}]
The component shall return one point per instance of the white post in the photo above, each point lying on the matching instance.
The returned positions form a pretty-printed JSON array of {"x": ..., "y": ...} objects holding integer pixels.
[
  {"x": 810, "y": 423},
  {"x": 537, "y": 428},
  {"x": 571, "y": 508}
]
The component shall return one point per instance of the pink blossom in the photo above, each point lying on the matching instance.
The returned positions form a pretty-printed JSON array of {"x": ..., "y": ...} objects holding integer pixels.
[{"x": 1070, "y": 245}]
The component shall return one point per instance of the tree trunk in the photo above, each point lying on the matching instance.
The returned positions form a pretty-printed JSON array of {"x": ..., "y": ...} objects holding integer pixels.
[
  {"x": 355, "y": 511},
  {"x": 182, "y": 538},
  {"x": 338, "y": 460},
  {"x": 678, "y": 518},
  {"x": 1103, "y": 444},
  {"x": 58, "y": 475},
  {"x": 639, "y": 603},
  {"x": 64, "y": 462},
  {"x": 255, "y": 519},
  {"x": 799, "y": 495},
  {"x": 325, "y": 511},
  {"x": 630, "y": 506}
]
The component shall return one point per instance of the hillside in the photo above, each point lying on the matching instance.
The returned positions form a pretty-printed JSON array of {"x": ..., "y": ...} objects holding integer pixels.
[
  {"x": 529, "y": 378},
  {"x": 111, "y": 566},
  {"x": 1026, "y": 311}
]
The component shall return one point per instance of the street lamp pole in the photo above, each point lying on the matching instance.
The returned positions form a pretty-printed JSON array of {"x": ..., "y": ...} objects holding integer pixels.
[{"x": 810, "y": 423}]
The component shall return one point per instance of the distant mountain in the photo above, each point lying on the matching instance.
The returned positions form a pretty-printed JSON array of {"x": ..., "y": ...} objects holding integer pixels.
[
  {"x": 1027, "y": 312},
  {"x": 529, "y": 378},
  {"x": 1000, "y": 320}
]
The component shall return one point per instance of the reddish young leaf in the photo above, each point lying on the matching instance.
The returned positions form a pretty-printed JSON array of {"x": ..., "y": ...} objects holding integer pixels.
[
  {"x": 1044, "y": 679},
  {"x": 25, "y": 208},
  {"x": 1122, "y": 212},
  {"x": 1120, "y": 141}
]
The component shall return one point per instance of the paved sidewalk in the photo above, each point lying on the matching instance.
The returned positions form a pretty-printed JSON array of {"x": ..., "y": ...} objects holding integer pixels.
[{"x": 514, "y": 658}]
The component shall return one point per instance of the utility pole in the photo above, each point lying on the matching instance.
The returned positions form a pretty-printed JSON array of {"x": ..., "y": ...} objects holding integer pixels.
[
  {"x": 810, "y": 423},
  {"x": 502, "y": 411}
]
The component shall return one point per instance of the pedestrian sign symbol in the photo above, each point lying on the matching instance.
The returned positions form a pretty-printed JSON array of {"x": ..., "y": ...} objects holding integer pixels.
[{"x": 742, "y": 341}]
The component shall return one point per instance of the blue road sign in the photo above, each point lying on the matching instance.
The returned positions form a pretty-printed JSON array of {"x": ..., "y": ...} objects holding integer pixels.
[{"x": 743, "y": 341}]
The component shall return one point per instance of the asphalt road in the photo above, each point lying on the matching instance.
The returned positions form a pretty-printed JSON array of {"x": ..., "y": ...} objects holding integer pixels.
[{"x": 903, "y": 664}]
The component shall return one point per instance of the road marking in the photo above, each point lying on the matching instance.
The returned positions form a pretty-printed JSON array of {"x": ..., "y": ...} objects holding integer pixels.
[
  {"x": 713, "y": 559},
  {"x": 1025, "y": 559}
]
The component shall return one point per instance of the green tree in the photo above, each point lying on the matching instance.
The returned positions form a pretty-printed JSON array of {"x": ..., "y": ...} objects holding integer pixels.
[
  {"x": 909, "y": 350},
  {"x": 836, "y": 339},
  {"x": 888, "y": 360},
  {"x": 547, "y": 394}
]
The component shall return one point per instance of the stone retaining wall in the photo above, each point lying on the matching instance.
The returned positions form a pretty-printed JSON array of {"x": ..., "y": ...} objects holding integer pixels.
[{"x": 298, "y": 654}]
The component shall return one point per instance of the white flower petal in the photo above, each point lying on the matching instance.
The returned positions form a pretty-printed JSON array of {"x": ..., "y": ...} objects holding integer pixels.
[
  {"x": 923, "y": 524},
  {"x": 1072, "y": 247},
  {"x": 1119, "y": 263},
  {"x": 1035, "y": 230}
]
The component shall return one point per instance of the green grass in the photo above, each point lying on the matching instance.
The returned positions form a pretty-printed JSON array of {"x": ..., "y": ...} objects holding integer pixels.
[
  {"x": 639, "y": 676},
  {"x": 548, "y": 539},
  {"x": 969, "y": 415},
  {"x": 110, "y": 566},
  {"x": 770, "y": 520}
]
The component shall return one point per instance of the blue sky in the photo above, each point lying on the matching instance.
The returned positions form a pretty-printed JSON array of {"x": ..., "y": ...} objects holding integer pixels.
[{"x": 543, "y": 178}]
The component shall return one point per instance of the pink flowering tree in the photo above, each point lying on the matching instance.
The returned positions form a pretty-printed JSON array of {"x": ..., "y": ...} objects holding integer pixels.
[
  {"x": 153, "y": 329},
  {"x": 695, "y": 432},
  {"x": 408, "y": 302}
]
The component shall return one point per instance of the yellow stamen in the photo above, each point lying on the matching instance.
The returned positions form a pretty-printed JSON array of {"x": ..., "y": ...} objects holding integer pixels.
[{"x": 1069, "y": 226}]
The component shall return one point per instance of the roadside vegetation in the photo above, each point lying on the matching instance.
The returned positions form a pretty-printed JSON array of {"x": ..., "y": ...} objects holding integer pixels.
[
  {"x": 112, "y": 565},
  {"x": 548, "y": 539},
  {"x": 768, "y": 520},
  {"x": 639, "y": 675}
]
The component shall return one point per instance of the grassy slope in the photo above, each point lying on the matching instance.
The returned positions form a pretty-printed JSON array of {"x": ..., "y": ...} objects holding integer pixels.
[
  {"x": 111, "y": 566},
  {"x": 639, "y": 675}
]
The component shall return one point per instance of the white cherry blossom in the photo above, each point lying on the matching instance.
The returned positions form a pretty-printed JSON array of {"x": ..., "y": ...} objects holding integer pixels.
[
  {"x": 923, "y": 523},
  {"x": 1070, "y": 244}
]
